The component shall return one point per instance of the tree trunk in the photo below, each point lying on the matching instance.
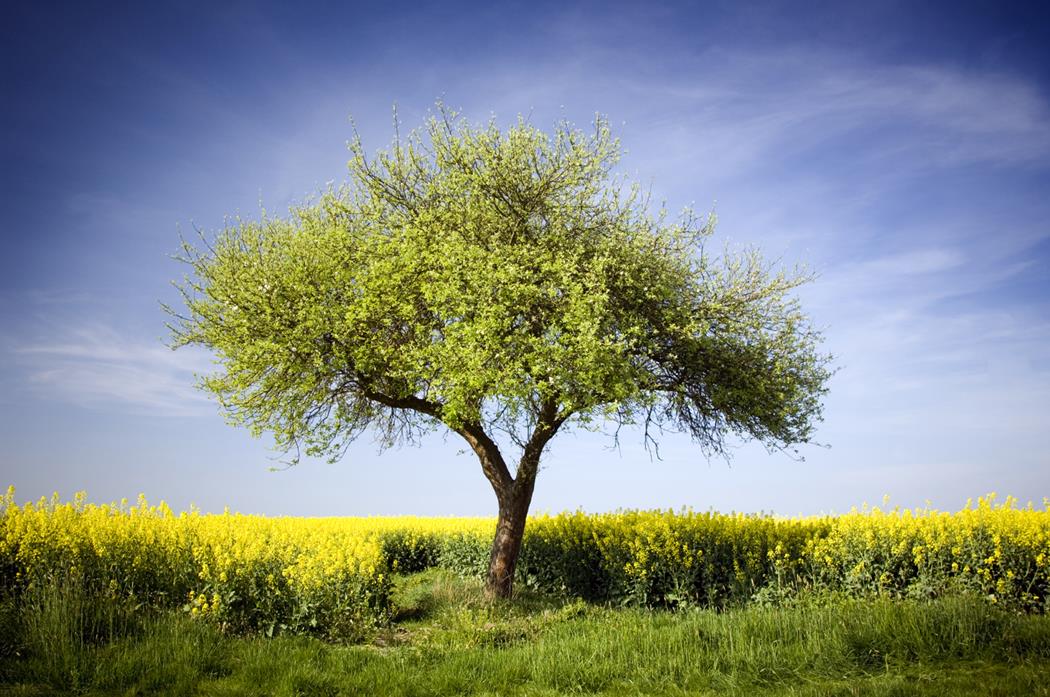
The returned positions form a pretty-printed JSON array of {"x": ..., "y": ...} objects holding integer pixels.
[
  {"x": 510, "y": 530},
  {"x": 513, "y": 493}
]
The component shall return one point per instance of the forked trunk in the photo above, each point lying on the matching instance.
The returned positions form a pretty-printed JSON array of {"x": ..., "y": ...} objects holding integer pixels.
[
  {"x": 510, "y": 530},
  {"x": 513, "y": 493}
]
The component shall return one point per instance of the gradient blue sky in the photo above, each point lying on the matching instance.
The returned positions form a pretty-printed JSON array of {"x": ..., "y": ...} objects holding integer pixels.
[{"x": 902, "y": 152}]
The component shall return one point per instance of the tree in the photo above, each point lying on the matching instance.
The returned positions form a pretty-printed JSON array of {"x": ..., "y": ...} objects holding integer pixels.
[{"x": 503, "y": 285}]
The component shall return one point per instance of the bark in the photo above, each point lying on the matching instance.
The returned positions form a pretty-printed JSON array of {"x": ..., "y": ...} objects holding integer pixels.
[{"x": 510, "y": 531}]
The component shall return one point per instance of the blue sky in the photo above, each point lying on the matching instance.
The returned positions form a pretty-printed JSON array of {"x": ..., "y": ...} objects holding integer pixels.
[{"x": 902, "y": 153}]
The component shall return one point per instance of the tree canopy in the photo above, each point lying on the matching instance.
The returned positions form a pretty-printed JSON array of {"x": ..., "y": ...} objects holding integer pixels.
[{"x": 496, "y": 283}]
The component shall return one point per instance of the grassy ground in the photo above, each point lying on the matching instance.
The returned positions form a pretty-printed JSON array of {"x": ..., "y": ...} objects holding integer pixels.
[{"x": 446, "y": 640}]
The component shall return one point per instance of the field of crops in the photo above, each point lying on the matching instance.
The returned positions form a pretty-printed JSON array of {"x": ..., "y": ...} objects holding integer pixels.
[{"x": 331, "y": 577}]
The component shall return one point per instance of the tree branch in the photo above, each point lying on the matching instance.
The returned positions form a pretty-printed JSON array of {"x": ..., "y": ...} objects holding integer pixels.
[
  {"x": 412, "y": 402},
  {"x": 548, "y": 421},
  {"x": 492, "y": 462}
]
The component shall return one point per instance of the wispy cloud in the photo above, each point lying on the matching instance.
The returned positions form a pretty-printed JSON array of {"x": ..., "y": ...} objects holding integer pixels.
[
  {"x": 741, "y": 115},
  {"x": 97, "y": 366},
  {"x": 920, "y": 261},
  {"x": 929, "y": 351}
]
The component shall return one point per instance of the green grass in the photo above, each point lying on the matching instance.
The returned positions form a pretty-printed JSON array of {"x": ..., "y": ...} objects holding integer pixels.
[{"x": 446, "y": 639}]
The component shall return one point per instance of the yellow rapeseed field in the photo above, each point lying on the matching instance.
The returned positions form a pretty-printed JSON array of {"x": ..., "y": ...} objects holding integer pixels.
[{"x": 332, "y": 576}]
